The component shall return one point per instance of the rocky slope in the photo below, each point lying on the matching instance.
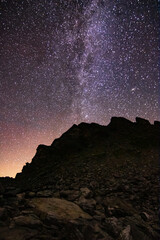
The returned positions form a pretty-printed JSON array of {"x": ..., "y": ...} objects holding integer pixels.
[{"x": 94, "y": 182}]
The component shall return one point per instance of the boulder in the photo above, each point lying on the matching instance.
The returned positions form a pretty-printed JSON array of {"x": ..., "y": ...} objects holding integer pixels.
[
  {"x": 86, "y": 192},
  {"x": 117, "y": 207},
  {"x": 58, "y": 209},
  {"x": 21, "y": 196},
  {"x": 139, "y": 229},
  {"x": 17, "y": 233},
  {"x": 113, "y": 226},
  {"x": 145, "y": 216},
  {"x": 30, "y": 194},
  {"x": 45, "y": 193},
  {"x": 126, "y": 233},
  {"x": 87, "y": 205},
  {"x": 70, "y": 195},
  {"x": 31, "y": 221}
]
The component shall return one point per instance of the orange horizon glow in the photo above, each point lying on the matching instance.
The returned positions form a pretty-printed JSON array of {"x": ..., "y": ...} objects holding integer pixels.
[{"x": 19, "y": 145}]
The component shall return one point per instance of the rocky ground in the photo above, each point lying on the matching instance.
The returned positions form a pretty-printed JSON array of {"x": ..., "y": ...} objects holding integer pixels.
[{"x": 96, "y": 194}]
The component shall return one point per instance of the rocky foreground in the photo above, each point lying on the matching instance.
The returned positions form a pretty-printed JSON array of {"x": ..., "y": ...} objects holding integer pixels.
[{"x": 94, "y": 183}]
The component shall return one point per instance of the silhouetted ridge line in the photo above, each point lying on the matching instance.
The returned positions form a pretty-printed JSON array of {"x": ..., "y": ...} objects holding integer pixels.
[{"x": 94, "y": 182}]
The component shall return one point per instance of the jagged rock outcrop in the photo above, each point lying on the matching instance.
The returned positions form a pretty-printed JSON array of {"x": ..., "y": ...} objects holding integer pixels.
[
  {"x": 94, "y": 182},
  {"x": 120, "y": 138}
]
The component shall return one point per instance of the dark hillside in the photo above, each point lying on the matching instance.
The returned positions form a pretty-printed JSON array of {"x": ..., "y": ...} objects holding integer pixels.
[{"x": 119, "y": 146}]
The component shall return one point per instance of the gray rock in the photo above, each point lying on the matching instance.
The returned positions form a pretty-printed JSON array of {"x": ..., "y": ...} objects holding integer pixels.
[
  {"x": 17, "y": 233},
  {"x": 117, "y": 207},
  {"x": 145, "y": 216},
  {"x": 58, "y": 209},
  {"x": 139, "y": 228},
  {"x": 86, "y": 192},
  {"x": 88, "y": 205},
  {"x": 70, "y": 195},
  {"x": 126, "y": 233},
  {"x": 20, "y": 196},
  {"x": 45, "y": 193},
  {"x": 30, "y": 194},
  {"x": 113, "y": 227},
  {"x": 31, "y": 221},
  {"x": 99, "y": 216}
]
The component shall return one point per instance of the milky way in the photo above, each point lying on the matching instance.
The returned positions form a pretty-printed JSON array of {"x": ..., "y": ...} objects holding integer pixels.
[{"x": 64, "y": 62}]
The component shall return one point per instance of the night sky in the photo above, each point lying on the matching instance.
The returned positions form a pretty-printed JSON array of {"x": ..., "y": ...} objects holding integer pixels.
[{"x": 68, "y": 61}]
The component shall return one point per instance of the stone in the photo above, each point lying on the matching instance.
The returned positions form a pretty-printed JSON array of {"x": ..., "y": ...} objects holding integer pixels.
[
  {"x": 70, "y": 195},
  {"x": 45, "y": 193},
  {"x": 27, "y": 212},
  {"x": 126, "y": 233},
  {"x": 30, "y": 194},
  {"x": 99, "y": 215},
  {"x": 87, "y": 205},
  {"x": 31, "y": 221},
  {"x": 139, "y": 228},
  {"x": 20, "y": 196},
  {"x": 111, "y": 175},
  {"x": 113, "y": 227},
  {"x": 17, "y": 233},
  {"x": 71, "y": 232},
  {"x": 145, "y": 216},
  {"x": 11, "y": 210},
  {"x": 59, "y": 209},
  {"x": 56, "y": 195},
  {"x": 86, "y": 193},
  {"x": 118, "y": 207}
]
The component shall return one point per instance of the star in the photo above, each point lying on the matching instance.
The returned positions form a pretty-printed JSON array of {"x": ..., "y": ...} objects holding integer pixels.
[{"x": 66, "y": 62}]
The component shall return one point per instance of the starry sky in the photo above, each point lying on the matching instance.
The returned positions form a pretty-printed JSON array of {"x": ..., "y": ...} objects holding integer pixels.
[{"x": 68, "y": 61}]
